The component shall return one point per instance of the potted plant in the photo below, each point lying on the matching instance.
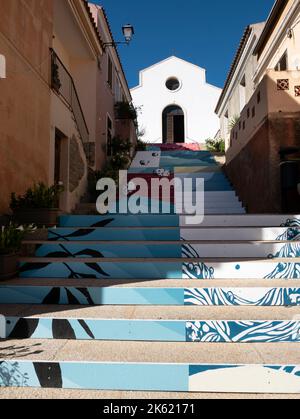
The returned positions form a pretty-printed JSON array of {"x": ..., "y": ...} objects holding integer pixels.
[
  {"x": 38, "y": 206},
  {"x": 125, "y": 110},
  {"x": 11, "y": 237}
]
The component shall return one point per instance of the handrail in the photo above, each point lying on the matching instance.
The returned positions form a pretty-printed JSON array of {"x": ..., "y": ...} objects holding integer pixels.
[{"x": 62, "y": 82}]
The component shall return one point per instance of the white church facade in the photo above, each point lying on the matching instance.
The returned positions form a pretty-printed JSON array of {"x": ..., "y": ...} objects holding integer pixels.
[{"x": 175, "y": 103}]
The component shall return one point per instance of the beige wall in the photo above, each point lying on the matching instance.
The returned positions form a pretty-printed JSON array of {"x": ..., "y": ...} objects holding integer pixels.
[
  {"x": 272, "y": 102},
  {"x": 25, "y": 39},
  {"x": 233, "y": 103},
  {"x": 279, "y": 42}
]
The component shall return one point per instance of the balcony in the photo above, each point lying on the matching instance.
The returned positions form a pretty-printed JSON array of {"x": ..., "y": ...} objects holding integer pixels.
[{"x": 277, "y": 93}]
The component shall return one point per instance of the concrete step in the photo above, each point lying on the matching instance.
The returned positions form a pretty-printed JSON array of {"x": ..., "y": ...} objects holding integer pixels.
[
  {"x": 153, "y": 312},
  {"x": 187, "y": 249},
  {"x": 60, "y": 394},
  {"x": 104, "y": 268},
  {"x": 134, "y": 366}
]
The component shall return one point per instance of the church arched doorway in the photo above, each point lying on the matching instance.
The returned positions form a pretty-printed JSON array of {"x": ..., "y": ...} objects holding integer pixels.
[{"x": 173, "y": 125}]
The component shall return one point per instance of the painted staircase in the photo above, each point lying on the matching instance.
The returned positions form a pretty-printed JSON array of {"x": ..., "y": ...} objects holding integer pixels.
[{"x": 149, "y": 303}]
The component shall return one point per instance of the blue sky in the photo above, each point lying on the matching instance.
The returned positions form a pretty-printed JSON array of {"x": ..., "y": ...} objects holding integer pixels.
[{"x": 206, "y": 33}]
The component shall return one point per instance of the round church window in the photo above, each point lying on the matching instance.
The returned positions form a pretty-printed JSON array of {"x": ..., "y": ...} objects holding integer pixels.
[{"x": 173, "y": 84}]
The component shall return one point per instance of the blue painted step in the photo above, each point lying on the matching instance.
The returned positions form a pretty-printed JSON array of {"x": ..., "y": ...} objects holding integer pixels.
[
  {"x": 98, "y": 221},
  {"x": 153, "y": 330},
  {"x": 110, "y": 234},
  {"x": 180, "y": 249},
  {"x": 91, "y": 296},
  {"x": 155, "y": 269},
  {"x": 218, "y": 378}
]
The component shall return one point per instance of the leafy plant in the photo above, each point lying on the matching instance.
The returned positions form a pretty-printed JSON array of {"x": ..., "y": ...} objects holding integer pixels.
[
  {"x": 140, "y": 145},
  {"x": 11, "y": 237},
  {"x": 119, "y": 146},
  {"x": 125, "y": 110},
  {"x": 215, "y": 145},
  {"x": 39, "y": 196},
  {"x": 232, "y": 122}
]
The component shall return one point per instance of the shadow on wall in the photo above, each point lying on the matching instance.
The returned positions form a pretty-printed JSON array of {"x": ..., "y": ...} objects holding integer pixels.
[{"x": 260, "y": 170}]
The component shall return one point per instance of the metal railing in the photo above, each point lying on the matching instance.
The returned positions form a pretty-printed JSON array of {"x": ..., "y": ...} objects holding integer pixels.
[{"x": 63, "y": 83}]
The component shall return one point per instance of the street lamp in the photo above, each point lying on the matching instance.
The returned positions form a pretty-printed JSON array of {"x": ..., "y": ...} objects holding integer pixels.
[{"x": 128, "y": 32}]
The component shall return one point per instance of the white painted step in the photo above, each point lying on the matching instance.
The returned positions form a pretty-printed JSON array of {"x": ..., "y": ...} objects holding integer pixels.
[
  {"x": 241, "y": 233},
  {"x": 248, "y": 220}
]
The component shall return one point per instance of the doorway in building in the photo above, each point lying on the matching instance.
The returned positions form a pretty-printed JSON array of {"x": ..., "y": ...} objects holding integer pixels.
[
  {"x": 290, "y": 180},
  {"x": 173, "y": 125},
  {"x": 61, "y": 165}
]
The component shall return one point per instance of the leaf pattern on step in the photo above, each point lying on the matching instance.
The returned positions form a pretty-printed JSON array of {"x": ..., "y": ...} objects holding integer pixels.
[
  {"x": 72, "y": 300},
  {"x": 28, "y": 266},
  {"x": 97, "y": 268},
  {"x": 66, "y": 253},
  {"x": 86, "y": 294},
  {"x": 86, "y": 328},
  {"x": 76, "y": 234},
  {"x": 62, "y": 329},
  {"x": 24, "y": 329},
  {"x": 53, "y": 297},
  {"x": 89, "y": 252},
  {"x": 103, "y": 223},
  {"x": 49, "y": 374}
]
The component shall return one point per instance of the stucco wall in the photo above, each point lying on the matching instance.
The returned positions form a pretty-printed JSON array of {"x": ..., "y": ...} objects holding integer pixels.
[
  {"x": 255, "y": 171},
  {"x": 25, "y": 39},
  {"x": 279, "y": 42},
  {"x": 272, "y": 101},
  {"x": 197, "y": 99},
  {"x": 232, "y": 104}
]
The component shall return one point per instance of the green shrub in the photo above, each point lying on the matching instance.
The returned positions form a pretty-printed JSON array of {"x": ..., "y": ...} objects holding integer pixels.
[
  {"x": 217, "y": 146},
  {"x": 125, "y": 110},
  {"x": 119, "y": 146},
  {"x": 39, "y": 196},
  {"x": 11, "y": 237}
]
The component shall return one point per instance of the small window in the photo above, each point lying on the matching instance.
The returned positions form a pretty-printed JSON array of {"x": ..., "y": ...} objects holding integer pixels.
[
  {"x": 258, "y": 97},
  {"x": 282, "y": 64},
  {"x": 110, "y": 73},
  {"x": 173, "y": 84},
  {"x": 253, "y": 112},
  {"x": 109, "y": 136},
  {"x": 242, "y": 90}
]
